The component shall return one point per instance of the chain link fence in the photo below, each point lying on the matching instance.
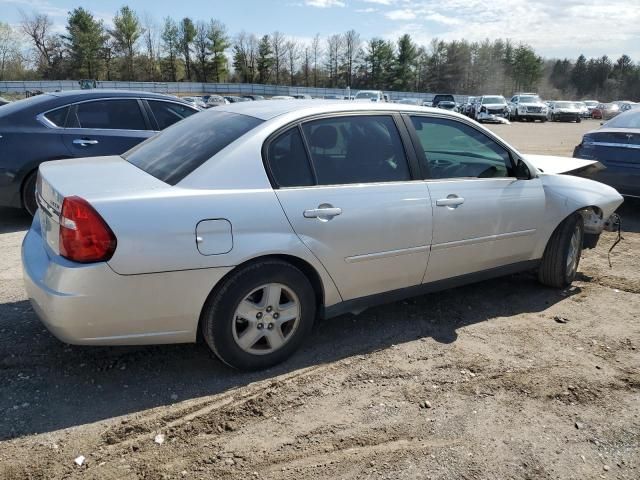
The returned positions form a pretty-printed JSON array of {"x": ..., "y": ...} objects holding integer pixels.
[{"x": 16, "y": 87}]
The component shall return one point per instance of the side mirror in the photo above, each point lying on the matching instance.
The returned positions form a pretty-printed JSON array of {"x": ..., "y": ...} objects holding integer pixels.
[{"x": 522, "y": 170}]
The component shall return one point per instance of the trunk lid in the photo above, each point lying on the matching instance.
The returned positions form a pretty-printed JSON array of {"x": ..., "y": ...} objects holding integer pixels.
[{"x": 90, "y": 178}]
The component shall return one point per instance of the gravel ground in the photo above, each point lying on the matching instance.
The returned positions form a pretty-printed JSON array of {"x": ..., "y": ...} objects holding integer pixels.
[{"x": 498, "y": 380}]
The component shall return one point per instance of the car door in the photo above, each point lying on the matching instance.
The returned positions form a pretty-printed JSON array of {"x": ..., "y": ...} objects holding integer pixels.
[
  {"x": 105, "y": 127},
  {"x": 483, "y": 216},
  {"x": 351, "y": 193}
]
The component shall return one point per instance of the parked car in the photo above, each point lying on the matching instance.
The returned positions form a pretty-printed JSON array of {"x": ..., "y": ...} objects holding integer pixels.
[
  {"x": 243, "y": 225},
  {"x": 616, "y": 145},
  {"x": 610, "y": 110},
  {"x": 301, "y": 96},
  {"x": 72, "y": 124},
  {"x": 591, "y": 105},
  {"x": 216, "y": 101},
  {"x": 468, "y": 106},
  {"x": 563, "y": 111},
  {"x": 195, "y": 101},
  {"x": 332, "y": 97},
  {"x": 4, "y": 101},
  {"x": 235, "y": 99},
  {"x": 626, "y": 106},
  {"x": 597, "y": 111},
  {"x": 370, "y": 96},
  {"x": 409, "y": 101},
  {"x": 435, "y": 102},
  {"x": 253, "y": 97},
  {"x": 528, "y": 106},
  {"x": 584, "y": 110},
  {"x": 489, "y": 108}
]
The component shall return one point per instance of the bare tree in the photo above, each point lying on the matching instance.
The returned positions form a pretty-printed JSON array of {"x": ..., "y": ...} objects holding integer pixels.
[
  {"x": 9, "y": 47},
  {"x": 279, "y": 47},
  {"x": 306, "y": 64},
  {"x": 245, "y": 50},
  {"x": 152, "y": 46},
  {"x": 201, "y": 48},
  {"x": 334, "y": 47},
  {"x": 293, "y": 54},
  {"x": 315, "y": 49},
  {"x": 352, "y": 44},
  {"x": 37, "y": 26}
]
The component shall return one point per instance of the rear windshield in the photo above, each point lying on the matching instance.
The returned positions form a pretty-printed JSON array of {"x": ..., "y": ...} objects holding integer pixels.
[
  {"x": 180, "y": 149},
  {"x": 629, "y": 119}
]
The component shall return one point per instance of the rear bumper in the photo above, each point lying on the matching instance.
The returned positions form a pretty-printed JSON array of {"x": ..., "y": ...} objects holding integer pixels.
[{"x": 90, "y": 304}]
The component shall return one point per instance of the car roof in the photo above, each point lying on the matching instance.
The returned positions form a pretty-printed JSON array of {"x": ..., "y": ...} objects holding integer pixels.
[
  {"x": 268, "y": 109},
  {"x": 106, "y": 92}
]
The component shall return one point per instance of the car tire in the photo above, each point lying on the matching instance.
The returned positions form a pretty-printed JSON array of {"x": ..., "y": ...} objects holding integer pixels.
[
  {"x": 221, "y": 321},
  {"x": 562, "y": 254},
  {"x": 578, "y": 120},
  {"x": 29, "y": 193}
]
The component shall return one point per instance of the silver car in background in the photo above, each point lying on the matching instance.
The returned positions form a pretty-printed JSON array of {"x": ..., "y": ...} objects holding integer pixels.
[{"x": 246, "y": 222}]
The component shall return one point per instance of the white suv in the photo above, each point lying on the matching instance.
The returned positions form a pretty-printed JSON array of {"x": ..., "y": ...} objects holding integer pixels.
[
  {"x": 370, "y": 96},
  {"x": 528, "y": 106}
]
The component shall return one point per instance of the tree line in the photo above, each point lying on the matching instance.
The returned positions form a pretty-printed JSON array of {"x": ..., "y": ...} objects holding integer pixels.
[{"x": 137, "y": 48}]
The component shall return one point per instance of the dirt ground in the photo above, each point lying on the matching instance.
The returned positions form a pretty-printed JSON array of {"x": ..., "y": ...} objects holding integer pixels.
[{"x": 500, "y": 380}]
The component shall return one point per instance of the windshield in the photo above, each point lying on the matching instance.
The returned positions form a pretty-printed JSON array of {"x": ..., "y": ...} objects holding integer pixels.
[
  {"x": 490, "y": 100},
  {"x": 367, "y": 95},
  {"x": 591, "y": 104},
  {"x": 530, "y": 99},
  {"x": 630, "y": 119},
  {"x": 177, "y": 151},
  {"x": 565, "y": 105}
]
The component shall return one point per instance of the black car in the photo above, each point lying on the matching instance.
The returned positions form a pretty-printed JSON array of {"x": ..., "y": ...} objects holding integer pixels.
[
  {"x": 72, "y": 124},
  {"x": 437, "y": 99},
  {"x": 253, "y": 97},
  {"x": 616, "y": 145}
]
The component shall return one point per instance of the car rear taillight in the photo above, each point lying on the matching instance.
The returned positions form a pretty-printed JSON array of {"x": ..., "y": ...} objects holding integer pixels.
[{"x": 84, "y": 235}]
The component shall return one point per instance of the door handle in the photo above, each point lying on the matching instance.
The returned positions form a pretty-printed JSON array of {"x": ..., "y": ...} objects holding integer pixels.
[
  {"x": 450, "y": 201},
  {"x": 83, "y": 142},
  {"x": 322, "y": 212}
]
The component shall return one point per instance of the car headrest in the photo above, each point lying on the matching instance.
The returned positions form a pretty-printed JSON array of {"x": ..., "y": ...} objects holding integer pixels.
[{"x": 324, "y": 136}]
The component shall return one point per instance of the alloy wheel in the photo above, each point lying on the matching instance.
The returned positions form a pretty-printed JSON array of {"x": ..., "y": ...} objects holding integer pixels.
[{"x": 266, "y": 319}]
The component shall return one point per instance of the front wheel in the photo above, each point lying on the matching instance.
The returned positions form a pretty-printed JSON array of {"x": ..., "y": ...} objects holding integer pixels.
[
  {"x": 260, "y": 315},
  {"x": 562, "y": 254},
  {"x": 29, "y": 193}
]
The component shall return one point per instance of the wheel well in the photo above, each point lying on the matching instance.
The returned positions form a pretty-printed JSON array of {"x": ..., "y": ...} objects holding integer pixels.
[
  {"x": 302, "y": 265},
  {"x": 593, "y": 219}
]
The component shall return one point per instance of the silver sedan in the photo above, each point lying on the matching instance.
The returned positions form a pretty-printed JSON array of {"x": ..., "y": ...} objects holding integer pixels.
[{"x": 246, "y": 222}]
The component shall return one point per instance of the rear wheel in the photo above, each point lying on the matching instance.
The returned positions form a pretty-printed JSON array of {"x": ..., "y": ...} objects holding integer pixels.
[
  {"x": 260, "y": 315},
  {"x": 29, "y": 193},
  {"x": 562, "y": 254}
]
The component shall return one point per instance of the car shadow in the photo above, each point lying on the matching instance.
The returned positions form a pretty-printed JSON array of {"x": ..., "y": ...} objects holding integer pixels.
[
  {"x": 14, "y": 220},
  {"x": 48, "y": 385},
  {"x": 629, "y": 211}
]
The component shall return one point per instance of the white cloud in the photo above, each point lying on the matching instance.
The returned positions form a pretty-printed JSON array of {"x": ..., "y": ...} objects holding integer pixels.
[
  {"x": 367, "y": 10},
  {"x": 380, "y": 2},
  {"x": 404, "y": 14},
  {"x": 324, "y": 3},
  {"x": 554, "y": 28}
]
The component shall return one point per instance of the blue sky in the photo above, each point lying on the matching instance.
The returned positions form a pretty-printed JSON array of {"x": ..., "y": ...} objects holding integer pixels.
[{"x": 556, "y": 28}]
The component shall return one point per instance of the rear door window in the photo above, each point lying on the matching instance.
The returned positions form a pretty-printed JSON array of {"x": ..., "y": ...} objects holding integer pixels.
[
  {"x": 175, "y": 152},
  {"x": 168, "y": 113},
  {"x": 288, "y": 160},
  {"x": 58, "y": 116},
  {"x": 356, "y": 149},
  {"x": 109, "y": 114}
]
